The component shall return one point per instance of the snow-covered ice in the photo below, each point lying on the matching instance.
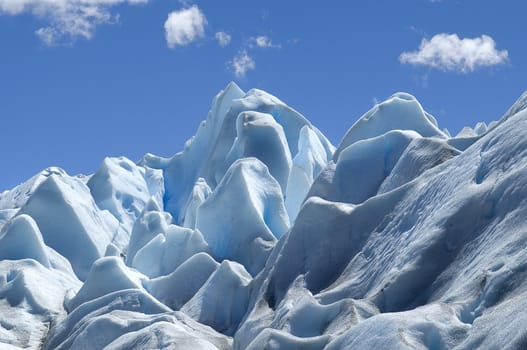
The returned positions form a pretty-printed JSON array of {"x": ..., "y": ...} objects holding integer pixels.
[{"x": 260, "y": 234}]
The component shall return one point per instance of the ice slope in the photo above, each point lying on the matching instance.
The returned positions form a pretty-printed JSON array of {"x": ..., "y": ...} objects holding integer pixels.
[
  {"x": 517, "y": 107},
  {"x": 258, "y": 236},
  {"x": 435, "y": 258},
  {"x": 31, "y": 301},
  {"x": 125, "y": 317}
]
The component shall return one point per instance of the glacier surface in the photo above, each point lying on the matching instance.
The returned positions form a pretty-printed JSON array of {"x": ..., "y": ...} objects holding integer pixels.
[{"x": 260, "y": 234}]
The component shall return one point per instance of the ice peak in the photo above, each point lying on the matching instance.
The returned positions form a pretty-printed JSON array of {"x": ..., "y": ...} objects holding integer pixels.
[
  {"x": 404, "y": 96},
  {"x": 21, "y": 239},
  {"x": 518, "y": 106},
  {"x": 401, "y": 111},
  {"x": 232, "y": 87}
]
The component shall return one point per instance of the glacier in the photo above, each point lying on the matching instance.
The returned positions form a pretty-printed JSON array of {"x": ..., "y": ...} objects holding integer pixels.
[{"x": 261, "y": 234}]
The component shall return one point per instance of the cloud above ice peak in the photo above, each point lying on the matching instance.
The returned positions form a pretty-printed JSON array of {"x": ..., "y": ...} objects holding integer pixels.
[
  {"x": 66, "y": 20},
  {"x": 185, "y": 26},
  {"x": 242, "y": 63},
  {"x": 223, "y": 38},
  {"x": 450, "y": 53}
]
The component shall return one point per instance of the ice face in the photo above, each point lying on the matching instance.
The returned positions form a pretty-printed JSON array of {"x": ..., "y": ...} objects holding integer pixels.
[
  {"x": 377, "y": 156},
  {"x": 107, "y": 275},
  {"x": 259, "y": 135},
  {"x": 149, "y": 224},
  {"x": 200, "y": 193},
  {"x": 252, "y": 219},
  {"x": 260, "y": 235},
  {"x": 307, "y": 165},
  {"x": 123, "y": 188},
  {"x": 166, "y": 251},
  {"x": 21, "y": 239},
  {"x": 176, "y": 288},
  {"x": 233, "y": 281}
]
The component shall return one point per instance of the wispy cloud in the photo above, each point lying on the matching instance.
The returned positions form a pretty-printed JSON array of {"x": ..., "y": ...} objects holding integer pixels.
[
  {"x": 66, "y": 20},
  {"x": 223, "y": 38},
  {"x": 264, "y": 14},
  {"x": 450, "y": 53},
  {"x": 421, "y": 80},
  {"x": 185, "y": 3},
  {"x": 242, "y": 63},
  {"x": 263, "y": 42},
  {"x": 184, "y": 26}
]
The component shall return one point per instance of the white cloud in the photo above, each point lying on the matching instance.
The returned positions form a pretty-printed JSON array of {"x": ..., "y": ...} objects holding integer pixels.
[
  {"x": 242, "y": 63},
  {"x": 66, "y": 19},
  {"x": 185, "y": 3},
  {"x": 223, "y": 38},
  {"x": 263, "y": 42},
  {"x": 449, "y": 52},
  {"x": 184, "y": 26}
]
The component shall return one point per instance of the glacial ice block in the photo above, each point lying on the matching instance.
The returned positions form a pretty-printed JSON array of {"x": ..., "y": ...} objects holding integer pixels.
[
  {"x": 119, "y": 186},
  {"x": 200, "y": 193},
  {"x": 21, "y": 239},
  {"x": 151, "y": 222},
  {"x": 71, "y": 223},
  {"x": 244, "y": 216},
  {"x": 307, "y": 165},
  {"x": 108, "y": 274},
  {"x": 165, "y": 252},
  {"x": 178, "y": 287},
  {"x": 221, "y": 302},
  {"x": 363, "y": 166},
  {"x": 259, "y": 135}
]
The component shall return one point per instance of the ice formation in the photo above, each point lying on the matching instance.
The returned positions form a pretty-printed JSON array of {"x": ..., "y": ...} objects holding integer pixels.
[{"x": 260, "y": 234}]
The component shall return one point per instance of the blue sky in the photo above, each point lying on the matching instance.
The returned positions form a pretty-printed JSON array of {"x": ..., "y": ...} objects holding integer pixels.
[{"x": 83, "y": 80}]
